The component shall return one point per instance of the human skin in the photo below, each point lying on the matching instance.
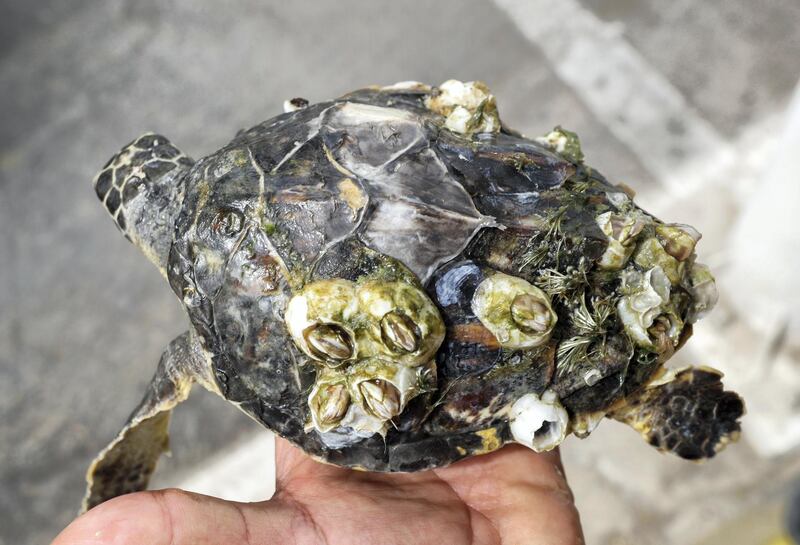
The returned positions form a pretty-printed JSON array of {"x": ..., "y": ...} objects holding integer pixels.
[{"x": 510, "y": 497}]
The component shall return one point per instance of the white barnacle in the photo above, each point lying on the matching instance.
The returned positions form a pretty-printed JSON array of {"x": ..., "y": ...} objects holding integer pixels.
[
  {"x": 620, "y": 199},
  {"x": 646, "y": 295},
  {"x": 563, "y": 142},
  {"x": 539, "y": 422},
  {"x": 468, "y": 107},
  {"x": 459, "y": 120},
  {"x": 516, "y": 312},
  {"x": 381, "y": 398},
  {"x": 328, "y": 304},
  {"x": 294, "y": 104},
  {"x": 651, "y": 253},
  {"x": 703, "y": 289},
  {"x": 621, "y": 232},
  {"x": 405, "y": 325},
  {"x": 328, "y": 403},
  {"x": 380, "y": 391},
  {"x": 678, "y": 240},
  {"x": 405, "y": 380}
]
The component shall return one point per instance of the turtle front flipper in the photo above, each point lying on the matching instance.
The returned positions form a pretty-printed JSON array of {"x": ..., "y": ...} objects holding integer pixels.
[
  {"x": 141, "y": 187},
  {"x": 126, "y": 464},
  {"x": 690, "y": 415}
]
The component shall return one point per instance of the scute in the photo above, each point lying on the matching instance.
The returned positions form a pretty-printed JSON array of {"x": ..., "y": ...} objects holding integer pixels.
[{"x": 420, "y": 214}]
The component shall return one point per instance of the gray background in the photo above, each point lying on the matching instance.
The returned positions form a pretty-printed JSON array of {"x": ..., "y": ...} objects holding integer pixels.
[{"x": 84, "y": 318}]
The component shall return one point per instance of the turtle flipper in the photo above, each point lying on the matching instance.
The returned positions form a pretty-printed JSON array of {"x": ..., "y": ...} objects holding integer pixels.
[
  {"x": 690, "y": 415},
  {"x": 126, "y": 464}
]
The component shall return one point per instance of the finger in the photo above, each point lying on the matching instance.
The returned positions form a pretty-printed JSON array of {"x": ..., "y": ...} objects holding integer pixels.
[
  {"x": 523, "y": 493},
  {"x": 484, "y": 477},
  {"x": 175, "y": 517}
]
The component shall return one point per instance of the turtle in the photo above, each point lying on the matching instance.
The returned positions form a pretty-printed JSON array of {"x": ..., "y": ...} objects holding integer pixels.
[{"x": 395, "y": 280}]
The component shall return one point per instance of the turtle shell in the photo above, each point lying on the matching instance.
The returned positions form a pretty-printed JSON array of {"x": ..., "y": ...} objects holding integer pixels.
[{"x": 393, "y": 194}]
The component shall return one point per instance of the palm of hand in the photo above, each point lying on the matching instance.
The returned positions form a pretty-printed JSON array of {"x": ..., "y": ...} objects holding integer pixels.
[{"x": 510, "y": 497}]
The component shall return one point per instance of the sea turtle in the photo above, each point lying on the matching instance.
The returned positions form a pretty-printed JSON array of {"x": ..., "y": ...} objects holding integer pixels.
[{"x": 394, "y": 280}]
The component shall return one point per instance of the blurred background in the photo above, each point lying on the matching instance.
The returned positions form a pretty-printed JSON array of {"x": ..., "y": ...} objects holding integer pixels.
[{"x": 689, "y": 103}]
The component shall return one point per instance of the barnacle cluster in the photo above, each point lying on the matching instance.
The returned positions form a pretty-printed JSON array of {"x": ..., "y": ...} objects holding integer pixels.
[
  {"x": 626, "y": 308},
  {"x": 373, "y": 343},
  {"x": 645, "y": 281}
]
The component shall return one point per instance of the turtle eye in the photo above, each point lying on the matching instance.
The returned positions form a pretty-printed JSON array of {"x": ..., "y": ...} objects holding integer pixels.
[
  {"x": 330, "y": 343},
  {"x": 228, "y": 222},
  {"x": 399, "y": 332}
]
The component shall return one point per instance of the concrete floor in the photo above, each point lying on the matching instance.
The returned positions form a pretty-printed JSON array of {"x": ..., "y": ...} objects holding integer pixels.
[{"x": 83, "y": 317}]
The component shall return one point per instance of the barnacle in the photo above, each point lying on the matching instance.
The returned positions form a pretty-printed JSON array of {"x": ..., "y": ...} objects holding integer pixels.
[
  {"x": 329, "y": 402},
  {"x": 621, "y": 231},
  {"x": 678, "y": 240},
  {"x": 539, "y": 422},
  {"x": 317, "y": 318},
  {"x": 646, "y": 297},
  {"x": 403, "y": 324},
  {"x": 650, "y": 253},
  {"x": 518, "y": 314},
  {"x": 563, "y": 142},
  {"x": 703, "y": 289},
  {"x": 468, "y": 107}
]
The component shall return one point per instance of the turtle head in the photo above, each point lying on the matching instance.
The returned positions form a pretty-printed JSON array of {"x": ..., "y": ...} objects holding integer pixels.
[{"x": 141, "y": 187}]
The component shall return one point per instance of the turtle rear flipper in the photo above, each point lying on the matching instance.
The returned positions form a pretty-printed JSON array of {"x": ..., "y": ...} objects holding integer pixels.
[
  {"x": 690, "y": 415},
  {"x": 141, "y": 188},
  {"x": 126, "y": 464}
]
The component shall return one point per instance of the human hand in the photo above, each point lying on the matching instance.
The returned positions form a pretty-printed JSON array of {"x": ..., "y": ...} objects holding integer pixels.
[{"x": 510, "y": 497}]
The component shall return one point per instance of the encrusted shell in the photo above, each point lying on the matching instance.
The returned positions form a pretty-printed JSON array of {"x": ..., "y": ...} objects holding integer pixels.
[{"x": 394, "y": 280}]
